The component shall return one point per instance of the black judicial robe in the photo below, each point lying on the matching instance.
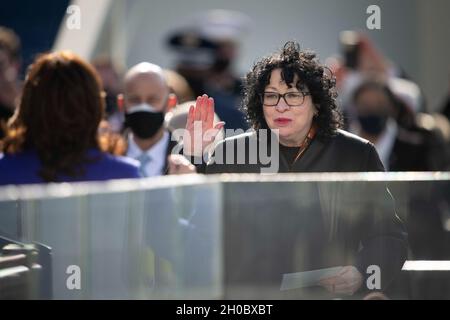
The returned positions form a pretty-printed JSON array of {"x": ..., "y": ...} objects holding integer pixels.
[{"x": 345, "y": 223}]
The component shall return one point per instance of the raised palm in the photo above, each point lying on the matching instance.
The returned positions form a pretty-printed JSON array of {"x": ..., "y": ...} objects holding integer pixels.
[{"x": 200, "y": 128}]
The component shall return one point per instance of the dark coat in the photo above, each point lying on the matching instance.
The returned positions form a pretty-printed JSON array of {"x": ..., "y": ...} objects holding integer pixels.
[
  {"x": 345, "y": 152},
  {"x": 419, "y": 149},
  {"x": 356, "y": 223}
]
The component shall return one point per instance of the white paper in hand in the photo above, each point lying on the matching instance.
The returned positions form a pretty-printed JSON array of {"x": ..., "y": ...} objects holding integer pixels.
[{"x": 307, "y": 278}]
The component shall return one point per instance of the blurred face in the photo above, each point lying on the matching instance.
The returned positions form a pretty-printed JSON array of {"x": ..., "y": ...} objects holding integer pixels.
[
  {"x": 293, "y": 122},
  {"x": 373, "y": 109},
  {"x": 109, "y": 78},
  {"x": 147, "y": 88},
  {"x": 8, "y": 68},
  {"x": 372, "y": 101}
]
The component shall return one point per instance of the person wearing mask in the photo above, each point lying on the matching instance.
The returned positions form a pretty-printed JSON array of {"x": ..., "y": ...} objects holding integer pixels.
[
  {"x": 382, "y": 118},
  {"x": 404, "y": 144},
  {"x": 145, "y": 101},
  {"x": 207, "y": 49}
]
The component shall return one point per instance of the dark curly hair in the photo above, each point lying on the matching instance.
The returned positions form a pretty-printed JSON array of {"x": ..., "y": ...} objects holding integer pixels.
[
  {"x": 59, "y": 114},
  {"x": 313, "y": 76}
]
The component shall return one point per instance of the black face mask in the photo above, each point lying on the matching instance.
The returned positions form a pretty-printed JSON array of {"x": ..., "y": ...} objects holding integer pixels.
[
  {"x": 144, "y": 124},
  {"x": 373, "y": 124}
]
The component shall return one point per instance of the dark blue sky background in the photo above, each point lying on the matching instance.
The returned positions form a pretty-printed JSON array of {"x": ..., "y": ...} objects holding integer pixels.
[{"x": 36, "y": 22}]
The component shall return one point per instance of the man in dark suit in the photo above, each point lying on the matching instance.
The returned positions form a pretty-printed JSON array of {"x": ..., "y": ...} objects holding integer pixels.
[
  {"x": 405, "y": 141},
  {"x": 145, "y": 103}
]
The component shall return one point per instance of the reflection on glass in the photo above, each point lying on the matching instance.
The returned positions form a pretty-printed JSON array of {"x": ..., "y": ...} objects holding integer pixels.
[{"x": 238, "y": 237}]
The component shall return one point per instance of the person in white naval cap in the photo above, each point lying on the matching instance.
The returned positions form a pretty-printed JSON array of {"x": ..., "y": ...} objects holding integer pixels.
[{"x": 207, "y": 47}]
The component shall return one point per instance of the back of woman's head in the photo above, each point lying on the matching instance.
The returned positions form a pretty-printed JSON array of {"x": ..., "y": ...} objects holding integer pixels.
[{"x": 59, "y": 114}]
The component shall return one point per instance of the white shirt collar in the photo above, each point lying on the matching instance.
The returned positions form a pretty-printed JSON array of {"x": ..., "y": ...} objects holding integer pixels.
[
  {"x": 386, "y": 142},
  {"x": 157, "y": 154}
]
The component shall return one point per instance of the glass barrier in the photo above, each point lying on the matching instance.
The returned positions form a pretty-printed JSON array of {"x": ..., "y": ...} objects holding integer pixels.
[{"x": 287, "y": 236}]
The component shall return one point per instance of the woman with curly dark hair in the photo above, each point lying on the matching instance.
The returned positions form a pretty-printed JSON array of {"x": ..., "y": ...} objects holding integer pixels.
[
  {"x": 291, "y": 96},
  {"x": 53, "y": 136}
]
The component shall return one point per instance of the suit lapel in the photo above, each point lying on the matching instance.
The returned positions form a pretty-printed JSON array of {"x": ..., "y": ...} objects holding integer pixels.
[{"x": 170, "y": 146}]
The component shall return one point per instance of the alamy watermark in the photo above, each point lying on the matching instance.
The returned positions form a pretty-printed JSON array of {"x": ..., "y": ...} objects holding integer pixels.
[
  {"x": 250, "y": 148},
  {"x": 73, "y": 281},
  {"x": 73, "y": 20},
  {"x": 373, "y": 282},
  {"x": 373, "y": 22}
]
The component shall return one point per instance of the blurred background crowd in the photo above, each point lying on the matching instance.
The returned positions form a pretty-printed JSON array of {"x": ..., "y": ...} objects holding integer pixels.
[
  {"x": 393, "y": 83},
  {"x": 127, "y": 72}
]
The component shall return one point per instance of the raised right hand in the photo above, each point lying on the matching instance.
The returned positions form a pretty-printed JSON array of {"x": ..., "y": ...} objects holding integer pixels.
[{"x": 200, "y": 128}]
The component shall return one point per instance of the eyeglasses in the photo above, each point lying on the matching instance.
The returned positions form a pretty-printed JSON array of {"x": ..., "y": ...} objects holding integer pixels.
[{"x": 292, "y": 99}]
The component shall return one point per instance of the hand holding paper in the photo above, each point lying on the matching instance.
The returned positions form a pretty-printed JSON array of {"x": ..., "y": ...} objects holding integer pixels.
[
  {"x": 307, "y": 278},
  {"x": 347, "y": 281}
]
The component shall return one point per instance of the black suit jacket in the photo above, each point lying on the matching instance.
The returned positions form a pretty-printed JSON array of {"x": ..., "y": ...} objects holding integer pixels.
[
  {"x": 364, "y": 222},
  {"x": 170, "y": 147},
  {"x": 419, "y": 149}
]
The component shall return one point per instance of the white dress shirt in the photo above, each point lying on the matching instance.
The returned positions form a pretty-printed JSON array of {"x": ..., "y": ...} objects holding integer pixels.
[
  {"x": 157, "y": 154},
  {"x": 385, "y": 142}
]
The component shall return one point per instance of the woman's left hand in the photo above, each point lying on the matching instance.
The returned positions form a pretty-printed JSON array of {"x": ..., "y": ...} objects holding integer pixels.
[{"x": 346, "y": 282}]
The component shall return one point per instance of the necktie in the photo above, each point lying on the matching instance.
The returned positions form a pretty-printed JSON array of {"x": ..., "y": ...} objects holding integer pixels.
[{"x": 144, "y": 159}]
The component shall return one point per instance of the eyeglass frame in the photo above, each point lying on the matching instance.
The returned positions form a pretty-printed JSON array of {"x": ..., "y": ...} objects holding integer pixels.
[{"x": 304, "y": 94}]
